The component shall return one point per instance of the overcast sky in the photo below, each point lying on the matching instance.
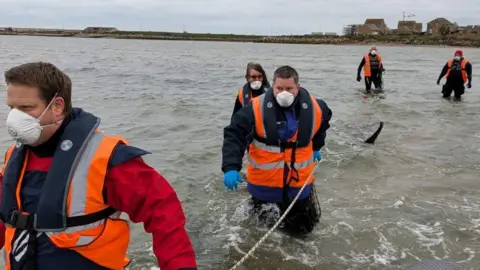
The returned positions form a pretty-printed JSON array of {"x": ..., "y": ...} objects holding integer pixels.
[{"x": 229, "y": 16}]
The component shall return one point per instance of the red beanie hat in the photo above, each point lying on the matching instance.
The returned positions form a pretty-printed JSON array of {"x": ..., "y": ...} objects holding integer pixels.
[{"x": 459, "y": 52}]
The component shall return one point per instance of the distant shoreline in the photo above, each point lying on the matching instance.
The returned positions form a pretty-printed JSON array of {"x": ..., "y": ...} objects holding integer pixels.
[{"x": 458, "y": 41}]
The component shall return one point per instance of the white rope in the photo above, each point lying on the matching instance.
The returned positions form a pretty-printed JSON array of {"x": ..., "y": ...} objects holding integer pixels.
[{"x": 252, "y": 250}]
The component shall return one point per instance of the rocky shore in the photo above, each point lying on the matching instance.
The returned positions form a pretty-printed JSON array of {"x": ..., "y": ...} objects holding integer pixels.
[
  {"x": 384, "y": 40},
  {"x": 459, "y": 41}
]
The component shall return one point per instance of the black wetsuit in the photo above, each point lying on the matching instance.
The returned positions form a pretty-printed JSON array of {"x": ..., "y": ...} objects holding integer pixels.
[
  {"x": 376, "y": 69},
  {"x": 455, "y": 82}
]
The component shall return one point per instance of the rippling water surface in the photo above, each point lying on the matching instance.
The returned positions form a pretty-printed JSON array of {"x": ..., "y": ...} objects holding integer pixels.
[{"x": 412, "y": 196}]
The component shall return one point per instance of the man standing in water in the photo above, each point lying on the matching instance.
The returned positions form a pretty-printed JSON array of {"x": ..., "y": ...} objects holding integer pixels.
[
  {"x": 458, "y": 72},
  {"x": 65, "y": 184},
  {"x": 289, "y": 130},
  {"x": 372, "y": 65}
]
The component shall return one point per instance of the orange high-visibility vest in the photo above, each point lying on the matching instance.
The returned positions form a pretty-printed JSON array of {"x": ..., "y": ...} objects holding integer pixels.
[
  {"x": 367, "y": 71},
  {"x": 266, "y": 161},
  {"x": 245, "y": 95},
  {"x": 463, "y": 64},
  {"x": 104, "y": 241}
]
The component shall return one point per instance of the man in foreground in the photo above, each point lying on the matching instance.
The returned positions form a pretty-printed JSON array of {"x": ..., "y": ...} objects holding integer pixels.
[
  {"x": 65, "y": 183},
  {"x": 458, "y": 72},
  {"x": 289, "y": 130}
]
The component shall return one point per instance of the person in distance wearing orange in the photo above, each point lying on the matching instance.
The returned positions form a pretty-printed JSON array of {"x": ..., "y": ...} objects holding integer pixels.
[
  {"x": 372, "y": 65},
  {"x": 458, "y": 72}
]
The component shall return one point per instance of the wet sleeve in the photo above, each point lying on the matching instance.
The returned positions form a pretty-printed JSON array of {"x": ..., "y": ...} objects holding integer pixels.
[
  {"x": 320, "y": 136},
  {"x": 468, "y": 69},
  {"x": 362, "y": 63},
  {"x": 444, "y": 71},
  {"x": 237, "y": 107},
  {"x": 235, "y": 138},
  {"x": 137, "y": 189}
]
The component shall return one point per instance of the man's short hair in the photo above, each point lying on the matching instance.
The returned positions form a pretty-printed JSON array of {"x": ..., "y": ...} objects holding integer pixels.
[
  {"x": 47, "y": 78},
  {"x": 286, "y": 72}
]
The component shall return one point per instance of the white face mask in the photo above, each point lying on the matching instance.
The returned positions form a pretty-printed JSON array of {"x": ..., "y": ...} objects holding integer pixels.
[
  {"x": 456, "y": 57},
  {"x": 373, "y": 52},
  {"x": 285, "y": 99},
  {"x": 25, "y": 128},
  {"x": 255, "y": 85}
]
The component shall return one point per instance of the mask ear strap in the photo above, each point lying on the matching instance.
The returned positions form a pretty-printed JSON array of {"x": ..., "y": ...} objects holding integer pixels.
[{"x": 48, "y": 106}]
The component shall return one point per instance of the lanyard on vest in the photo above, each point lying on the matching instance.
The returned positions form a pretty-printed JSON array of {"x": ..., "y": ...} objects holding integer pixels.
[{"x": 291, "y": 170}]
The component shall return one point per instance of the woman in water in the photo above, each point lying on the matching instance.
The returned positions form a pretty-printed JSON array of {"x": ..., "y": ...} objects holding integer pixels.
[{"x": 257, "y": 84}]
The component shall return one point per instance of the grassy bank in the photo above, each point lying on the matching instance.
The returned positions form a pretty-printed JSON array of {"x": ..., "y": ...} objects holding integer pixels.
[{"x": 463, "y": 41}]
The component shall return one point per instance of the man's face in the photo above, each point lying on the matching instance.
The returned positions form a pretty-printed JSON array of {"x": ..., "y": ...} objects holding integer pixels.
[
  {"x": 28, "y": 100},
  {"x": 288, "y": 85}
]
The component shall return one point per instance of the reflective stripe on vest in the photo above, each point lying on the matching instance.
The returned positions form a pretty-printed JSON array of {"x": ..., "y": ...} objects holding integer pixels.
[
  {"x": 266, "y": 163},
  {"x": 104, "y": 242},
  {"x": 244, "y": 95},
  {"x": 463, "y": 65},
  {"x": 367, "y": 69}
]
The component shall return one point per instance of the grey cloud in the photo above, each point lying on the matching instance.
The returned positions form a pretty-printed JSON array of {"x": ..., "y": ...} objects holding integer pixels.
[{"x": 230, "y": 16}]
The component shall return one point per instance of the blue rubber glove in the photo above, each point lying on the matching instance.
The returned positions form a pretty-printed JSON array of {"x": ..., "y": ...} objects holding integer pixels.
[
  {"x": 231, "y": 179},
  {"x": 317, "y": 156}
]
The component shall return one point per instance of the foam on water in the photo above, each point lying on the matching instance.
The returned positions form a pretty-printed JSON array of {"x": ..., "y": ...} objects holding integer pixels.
[{"x": 239, "y": 230}]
